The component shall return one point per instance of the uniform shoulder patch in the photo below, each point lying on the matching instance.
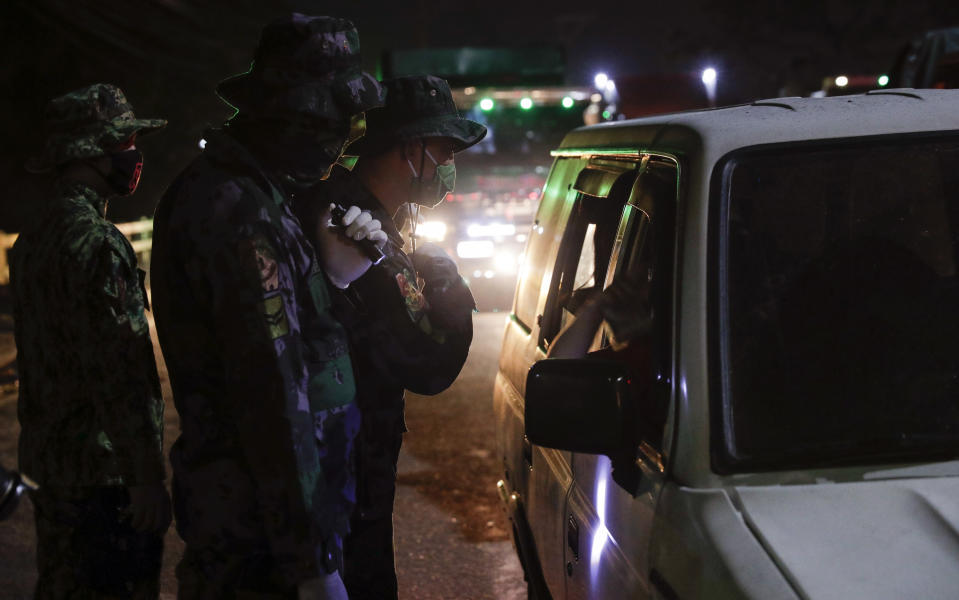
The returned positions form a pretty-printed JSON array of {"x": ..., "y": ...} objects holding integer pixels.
[
  {"x": 258, "y": 253},
  {"x": 274, "y": 312}
]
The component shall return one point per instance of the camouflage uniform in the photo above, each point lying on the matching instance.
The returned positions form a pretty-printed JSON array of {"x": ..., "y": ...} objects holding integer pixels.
[
  {"x": 409, "y": 322},
  {"x": 90, "y": 407},
  {"x": 261, "y": 375}
]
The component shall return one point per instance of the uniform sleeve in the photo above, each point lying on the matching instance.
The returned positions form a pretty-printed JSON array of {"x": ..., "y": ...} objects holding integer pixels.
[
  {"x": 245, "y": 267},
  {"x": 121, "y": 362},
  {"x": 416, "y": 331}
]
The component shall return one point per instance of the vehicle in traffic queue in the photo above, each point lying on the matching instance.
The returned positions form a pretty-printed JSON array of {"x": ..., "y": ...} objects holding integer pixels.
[{"x": 787, "y": 425}]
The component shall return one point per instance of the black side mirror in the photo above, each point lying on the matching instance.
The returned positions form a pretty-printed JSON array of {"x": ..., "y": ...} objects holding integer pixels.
[{"x": 579, "y": 405}]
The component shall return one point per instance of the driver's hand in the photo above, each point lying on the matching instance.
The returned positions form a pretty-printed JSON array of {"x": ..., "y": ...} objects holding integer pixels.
[{"x": 625, "y": 307}]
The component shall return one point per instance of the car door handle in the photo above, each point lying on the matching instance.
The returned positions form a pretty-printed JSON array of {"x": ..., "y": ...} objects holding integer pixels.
[{"x": 572, "y": 536}]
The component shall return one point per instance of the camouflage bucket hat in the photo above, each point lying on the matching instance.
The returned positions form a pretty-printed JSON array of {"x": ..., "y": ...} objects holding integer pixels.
[
  {"x": 416, "y": 107},
  {"x": 307, "y": 66},
  {"x": 84, "y": 123}
]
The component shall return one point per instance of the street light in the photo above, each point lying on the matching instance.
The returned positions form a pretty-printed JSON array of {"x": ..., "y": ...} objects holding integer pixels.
[
  {"x": 709, "y": 80},
  {"x": 601, "y": 80}
]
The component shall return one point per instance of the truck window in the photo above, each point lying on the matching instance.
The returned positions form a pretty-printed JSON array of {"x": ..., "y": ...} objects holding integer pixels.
[
  {"x": 583, "y": 257},
  {"x": 838, "y": 288},
  {"x": 544, "y": 236},
  {"x": 643, "y": 256}
]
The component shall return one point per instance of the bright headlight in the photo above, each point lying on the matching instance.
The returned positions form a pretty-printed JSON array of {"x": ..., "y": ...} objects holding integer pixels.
[
  {"x": 476, "y": 249},
  {"x": 491, "y": 230},
  {"x": 505, "y": 262},
  {"x": 434, "y": 231}
]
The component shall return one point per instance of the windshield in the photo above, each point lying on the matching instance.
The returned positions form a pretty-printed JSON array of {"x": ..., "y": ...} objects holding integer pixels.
[{"x": 839, "y": 305}]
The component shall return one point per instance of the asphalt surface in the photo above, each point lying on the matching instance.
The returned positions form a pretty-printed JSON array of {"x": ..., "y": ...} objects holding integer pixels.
[{"x": 451, "y": 537}]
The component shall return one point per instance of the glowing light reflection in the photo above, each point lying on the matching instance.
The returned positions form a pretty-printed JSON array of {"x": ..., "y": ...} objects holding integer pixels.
[{"x": 601, "y": 536}]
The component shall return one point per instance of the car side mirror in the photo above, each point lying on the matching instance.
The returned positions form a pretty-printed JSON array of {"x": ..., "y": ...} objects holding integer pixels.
[{"x": 579, "y": 405}]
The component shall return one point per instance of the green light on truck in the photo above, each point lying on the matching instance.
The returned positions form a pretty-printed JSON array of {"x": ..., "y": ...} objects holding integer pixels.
[
  {"x": 883, "y": 80},
  {"x": 526, "y": 103},
  {"x": 568, "y": 102},
  {"x": 607, "y": 114},
  {"x": 486, "y": 104}
]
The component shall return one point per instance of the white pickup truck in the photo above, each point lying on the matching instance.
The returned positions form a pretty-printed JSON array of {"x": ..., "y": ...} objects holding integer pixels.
[{"x": 788, "y": 426}]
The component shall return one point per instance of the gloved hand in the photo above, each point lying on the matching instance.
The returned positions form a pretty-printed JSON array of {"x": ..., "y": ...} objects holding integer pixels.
[
  {"x": 149, "y": 508},
  {"x": 451, "y": 302},
  {"x": 435, "y": 267},
  {"x": 328, "y": 587},
  {"x": 341, "y": 259}
]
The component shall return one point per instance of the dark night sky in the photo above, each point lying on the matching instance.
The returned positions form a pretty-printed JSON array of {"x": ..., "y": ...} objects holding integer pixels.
[{"x": 168, "y": 54}]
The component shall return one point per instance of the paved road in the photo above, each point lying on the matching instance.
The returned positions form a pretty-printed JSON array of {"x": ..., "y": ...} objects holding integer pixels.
[{"x": 451, "y": 536}]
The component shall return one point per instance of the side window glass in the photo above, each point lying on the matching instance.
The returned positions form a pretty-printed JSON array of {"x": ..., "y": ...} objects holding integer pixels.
[
  {"x": 543, "y": 239},
  {"x": 584, "y": 255},
  {"x": 640, "y": 331}
]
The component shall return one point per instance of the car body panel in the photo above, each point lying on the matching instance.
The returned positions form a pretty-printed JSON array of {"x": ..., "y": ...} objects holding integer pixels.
[
  {"x": 698, "y": 533},
  {"x": 875, "y": 539}
]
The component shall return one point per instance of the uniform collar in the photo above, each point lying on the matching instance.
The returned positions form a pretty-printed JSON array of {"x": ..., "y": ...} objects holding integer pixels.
[
  {"x": 224, "y": 149},
  {"x": 83, "y": 193}
]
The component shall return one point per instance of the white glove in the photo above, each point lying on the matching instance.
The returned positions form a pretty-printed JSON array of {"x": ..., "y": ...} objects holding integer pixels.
[
  {"x": 340, "y": 257},
  {"x": 360, "y": 224},
  {"x": 328, "y": 587}
]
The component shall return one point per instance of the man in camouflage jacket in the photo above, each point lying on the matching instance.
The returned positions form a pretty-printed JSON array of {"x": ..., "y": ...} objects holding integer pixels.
[
  {"x": 90, "y": 407},
  {"x": 261, "y": 374},
  {"x": 409, "y": 319}
]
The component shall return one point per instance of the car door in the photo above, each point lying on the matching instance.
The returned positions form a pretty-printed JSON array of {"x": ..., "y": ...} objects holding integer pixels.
[
  {"x": 575, "y": 271},
  {"x": 538, "y": 477},
  {"x": 611, "y": 502}
]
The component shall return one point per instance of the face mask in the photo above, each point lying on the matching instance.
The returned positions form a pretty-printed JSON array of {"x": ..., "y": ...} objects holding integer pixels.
[
  {"x": 124, "y": 174},
  {"x": 431, "y": 193},
  {"x": 298, "y": 154}
]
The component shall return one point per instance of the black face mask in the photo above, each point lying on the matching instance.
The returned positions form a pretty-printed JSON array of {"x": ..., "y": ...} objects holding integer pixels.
[
  {"x": 124, "y": 174},
  {"x": 301, "y": 155}
]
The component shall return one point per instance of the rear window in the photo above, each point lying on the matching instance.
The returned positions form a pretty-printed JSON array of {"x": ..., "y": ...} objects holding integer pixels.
[{"x": 838, "y": 305}]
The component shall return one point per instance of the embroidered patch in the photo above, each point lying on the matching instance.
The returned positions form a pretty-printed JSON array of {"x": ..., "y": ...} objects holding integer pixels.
[
  {"x": 258, "y": 252},
  {"x": 274, "y": 311},
  {"x": 411, "y": 292}
]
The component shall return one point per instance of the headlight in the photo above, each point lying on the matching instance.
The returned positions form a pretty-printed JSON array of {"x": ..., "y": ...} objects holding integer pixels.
[
  {"x": 434, "y": 231},
  {"x": 505, "y": 262},
  {"x": 491, "y": 230},
  {"x": 477, "y": 249}
]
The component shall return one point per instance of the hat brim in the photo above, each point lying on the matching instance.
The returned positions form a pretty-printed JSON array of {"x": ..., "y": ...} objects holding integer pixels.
[
  {"x": 90, "y": 145},
  {"x": 463, "y": 132},
  {"x": 351, "y": 91}
]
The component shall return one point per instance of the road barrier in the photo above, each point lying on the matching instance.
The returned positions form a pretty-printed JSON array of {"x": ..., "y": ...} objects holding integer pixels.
[{"x": 140, "y": 234}]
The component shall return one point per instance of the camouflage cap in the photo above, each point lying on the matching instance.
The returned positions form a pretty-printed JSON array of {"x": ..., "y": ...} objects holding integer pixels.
[
  {"x": 416, "y": 107},
  {"x": 84, "y": 123},
  {"x": 304, "y": 65}
]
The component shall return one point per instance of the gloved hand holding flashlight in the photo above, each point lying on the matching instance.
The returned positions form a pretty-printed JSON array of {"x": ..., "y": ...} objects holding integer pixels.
[{"x": 342, "y": 237}]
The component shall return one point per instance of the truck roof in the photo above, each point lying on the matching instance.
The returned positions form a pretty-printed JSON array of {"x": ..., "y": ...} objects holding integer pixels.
[{"x": 714, "y": 132}]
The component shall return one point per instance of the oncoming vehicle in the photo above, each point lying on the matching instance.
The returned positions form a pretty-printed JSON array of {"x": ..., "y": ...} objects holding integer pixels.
[{"x": 788, "y": 427}]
